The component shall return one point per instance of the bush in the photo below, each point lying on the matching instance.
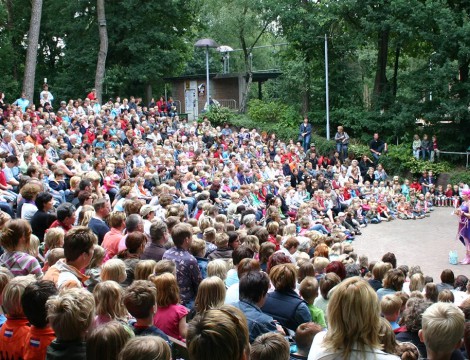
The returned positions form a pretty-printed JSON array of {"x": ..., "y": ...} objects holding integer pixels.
[
  {"x": 460, "y": 176},
  {"x": 218, "y": 115},
  {"x": 323, "y": 146},
  {"x": 275, "y": 117}
]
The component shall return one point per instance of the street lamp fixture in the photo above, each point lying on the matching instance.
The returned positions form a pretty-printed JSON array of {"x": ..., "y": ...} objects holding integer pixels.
[
  {"x": 206, "y": 43},
  {"x": 225, "y": 50}
]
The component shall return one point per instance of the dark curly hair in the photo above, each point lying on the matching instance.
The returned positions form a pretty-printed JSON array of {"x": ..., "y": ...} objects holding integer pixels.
[{"x": 414, "y": 313}]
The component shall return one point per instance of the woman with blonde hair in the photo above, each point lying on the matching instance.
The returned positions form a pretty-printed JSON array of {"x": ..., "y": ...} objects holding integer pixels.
[
  {"x": 144, "y": 269},
  {"x": 85, "y": 215},
  {"x": 109, "y": 305},
  {"x": 353, "y": 325},
  {"x": 252, "y": 242},
  {"x": 217, "y": 268},
  {"x": 115, "y": 270},
  {"x": 210, "y": 294},
  {"x": 417, "y": 282}
]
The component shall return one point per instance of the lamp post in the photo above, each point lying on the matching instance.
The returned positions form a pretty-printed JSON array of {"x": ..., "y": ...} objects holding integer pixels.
[
  {"x": 430, "y": 72},
  {"x": 206, "y": 43},
  {"x": 225, "y": 50},
  {"x": 327, "y": 91}
]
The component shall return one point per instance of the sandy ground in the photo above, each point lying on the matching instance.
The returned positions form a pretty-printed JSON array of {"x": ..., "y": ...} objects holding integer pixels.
[{"x": 425, "y": 242}]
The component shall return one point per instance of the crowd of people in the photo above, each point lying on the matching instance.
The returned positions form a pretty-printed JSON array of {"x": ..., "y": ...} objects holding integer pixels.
[{"x": 127, "y": 231}]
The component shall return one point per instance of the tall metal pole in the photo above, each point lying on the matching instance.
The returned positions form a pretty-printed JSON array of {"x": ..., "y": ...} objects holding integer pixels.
[
  {"x": 207, "y": 76},
  {"x": 327, "y": 91}
]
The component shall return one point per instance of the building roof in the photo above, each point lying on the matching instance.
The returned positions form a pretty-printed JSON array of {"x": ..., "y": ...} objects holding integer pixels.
[{"x": 263, "y": 75}]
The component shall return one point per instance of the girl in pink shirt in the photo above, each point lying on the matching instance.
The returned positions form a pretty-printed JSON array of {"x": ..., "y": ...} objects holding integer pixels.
[{"x": 170, "y": 316}]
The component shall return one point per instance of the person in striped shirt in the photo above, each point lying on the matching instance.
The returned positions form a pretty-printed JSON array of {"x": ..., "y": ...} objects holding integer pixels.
[{"x": 15, "y": 240}]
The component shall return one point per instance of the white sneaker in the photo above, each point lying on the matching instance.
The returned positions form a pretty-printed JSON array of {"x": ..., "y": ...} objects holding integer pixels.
[{"x": 362, "y": 225}]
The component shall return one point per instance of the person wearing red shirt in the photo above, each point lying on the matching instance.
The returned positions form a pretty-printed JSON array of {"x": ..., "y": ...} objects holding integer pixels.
[
  {"x": 415, "y": 186},
  {"x": 161, "y": 104},
  {"x": 346, "y": 193},
  {"x": 90, "y": 133},
  {"x": 92, "y": 95}
]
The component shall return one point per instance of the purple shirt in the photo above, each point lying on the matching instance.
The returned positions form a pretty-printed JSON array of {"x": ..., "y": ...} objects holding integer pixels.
[
  {"x": 153, "y": 252},
  {"x": 188, "y": 274}
]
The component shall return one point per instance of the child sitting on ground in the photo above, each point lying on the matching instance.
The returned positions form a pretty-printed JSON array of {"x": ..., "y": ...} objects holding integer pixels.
[
  {"x": 140, "y": 299},
  {"x": 309, "y": 291},
  {"x": 40, "y": 333},
  {"x": 373, "y": 215},
  {"x": 390, "y": 306}
]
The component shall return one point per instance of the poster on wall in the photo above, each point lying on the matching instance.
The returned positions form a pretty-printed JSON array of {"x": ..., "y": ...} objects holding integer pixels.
[{"x": 201, "y": 90}]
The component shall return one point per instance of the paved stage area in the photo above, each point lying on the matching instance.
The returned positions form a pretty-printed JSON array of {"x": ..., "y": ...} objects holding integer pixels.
[{"x": 424, "y": 242}]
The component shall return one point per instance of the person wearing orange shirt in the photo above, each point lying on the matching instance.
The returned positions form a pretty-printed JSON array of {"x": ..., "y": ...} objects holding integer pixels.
[
  {"x": 40, "y": 334},
  {"x": 15, "y": 329}
]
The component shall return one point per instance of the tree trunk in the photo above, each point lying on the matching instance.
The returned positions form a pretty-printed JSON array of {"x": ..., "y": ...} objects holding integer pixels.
[
  {"x": 246, "y": 91},
  {"x": 9, "y": 26},
  {"x": 306, "y": 94},
  {"x": 463, "y": 75},
  {"x": 103, "y": 52},
  {"x": 148, "y": 93},
  {"x": 306, "y": 87},
  {"x": 380, "y": 84},
  {"x": 32, "y": 51}
]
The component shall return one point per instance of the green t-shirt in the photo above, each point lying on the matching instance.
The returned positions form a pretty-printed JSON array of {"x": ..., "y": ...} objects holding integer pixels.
[{"x": 317, "y": 315}]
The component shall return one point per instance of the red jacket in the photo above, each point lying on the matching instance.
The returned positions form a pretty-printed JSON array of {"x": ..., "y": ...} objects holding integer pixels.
[{"x": 416, "y": 186}]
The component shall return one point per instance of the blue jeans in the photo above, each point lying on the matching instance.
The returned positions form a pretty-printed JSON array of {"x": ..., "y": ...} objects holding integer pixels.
[
  {"x": 425, "y": 154},
  {"x": 6, "y": 207},
  {"x": 306, "y": 142},
  {"x": 191, "y": 202},
  {"x": 320, "y": 228},
  {"x": 342, "y": 149}
]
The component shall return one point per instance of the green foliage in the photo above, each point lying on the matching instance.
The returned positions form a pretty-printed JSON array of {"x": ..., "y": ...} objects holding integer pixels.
[
  {"x": 460, "y": 176},
  {"x": 273, "y": 112},
  {"x": 219, "y": 115},
  {"x": 322, "y": 145},
  {"x": 416, "y": 167},
  {"x": 358, "y": 149},
  {"x": 400, "y": 161}
]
